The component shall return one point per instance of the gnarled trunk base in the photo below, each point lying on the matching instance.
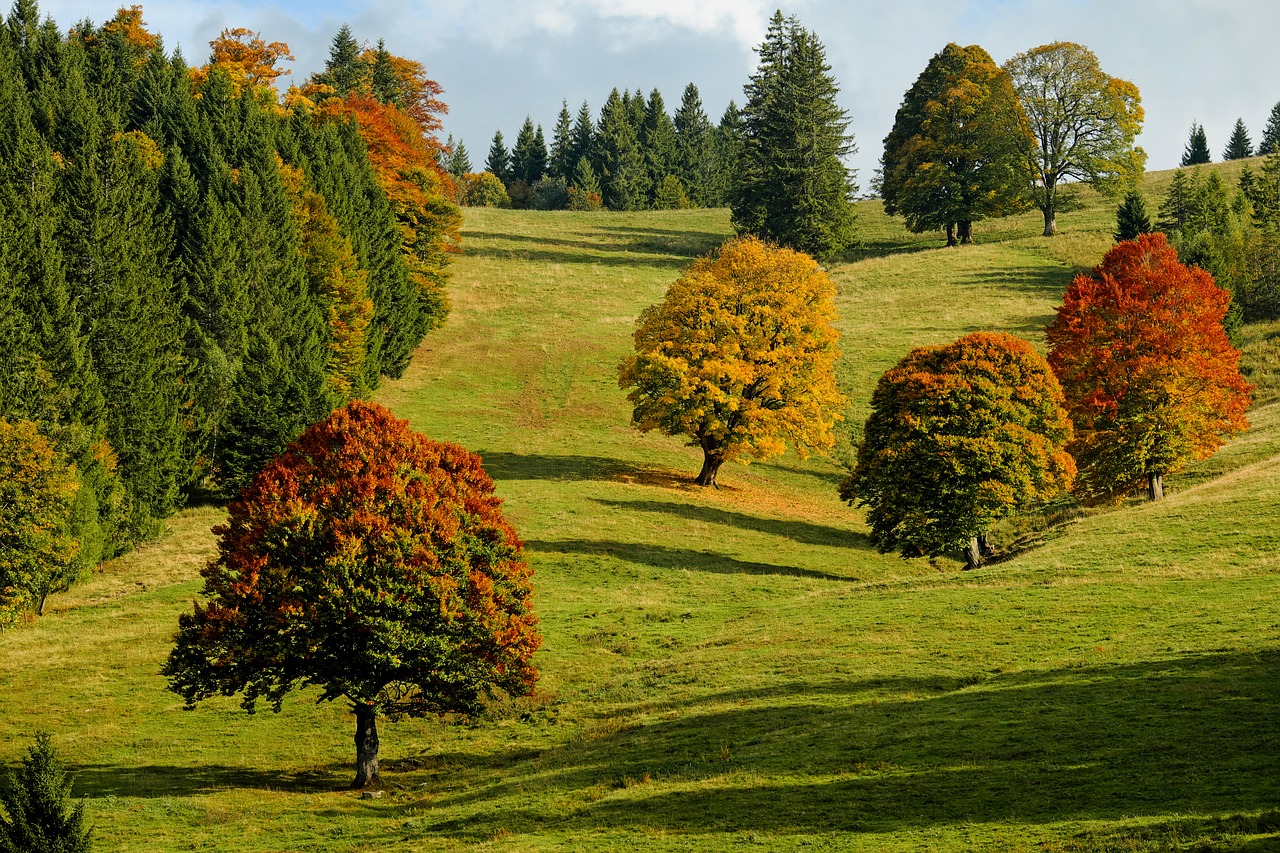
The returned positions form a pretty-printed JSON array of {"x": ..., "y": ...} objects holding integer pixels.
[
  {"x": 367, "y": 774},
  {"x": 951, "y": 234},
  {"x": 977, "y": 552},
  {"x": 1050, "y": 223},
  {"x": 710, "y": 467},
  {"x": 965, "y": 232}
]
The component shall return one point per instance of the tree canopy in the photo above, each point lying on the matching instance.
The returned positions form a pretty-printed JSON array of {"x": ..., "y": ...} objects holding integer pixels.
[
  {"x": 739, "y": 356},
  {"x": 1151, "y": 380},
  {"x": 373, "y": 563},
  {"x": 1084, "y": 122},
  {"x": 959, "y": 437},
  {"x": 960, "y": 146}
]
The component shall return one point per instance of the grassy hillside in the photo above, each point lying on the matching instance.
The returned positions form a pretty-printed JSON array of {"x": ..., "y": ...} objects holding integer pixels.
[{"x": 736, "y": 667}]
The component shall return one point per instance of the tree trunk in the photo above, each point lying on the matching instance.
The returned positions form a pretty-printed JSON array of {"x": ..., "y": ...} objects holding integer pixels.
[
  {"x": 1155, "y": 486},
  {"x": 951, "y": 234},
  {"x": 43, "y": 597},
  {"x": 984, "y": 547},
  {"x": 1050, "y": 221},
  {"x": 711, "y": 463},
  {"x": 966, "y": 232},
  {"x": 367, "y": 775},
  {"x": 973, "y": 552}
]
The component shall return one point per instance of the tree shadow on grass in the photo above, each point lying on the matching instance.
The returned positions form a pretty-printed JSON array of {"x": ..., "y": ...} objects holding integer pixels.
[
  {"x": 1176, "y": 738},
  {"x": 535, "y": 466},
  {"x": 604, "y": 250},
  {"x": 662, "y": 557},
  {"x": 105, "y": 780},
  {"x": 799, "y": 531}
]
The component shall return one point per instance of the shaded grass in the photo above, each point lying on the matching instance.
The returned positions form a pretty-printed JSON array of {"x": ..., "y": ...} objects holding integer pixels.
[{"x": 734, "y": 667}]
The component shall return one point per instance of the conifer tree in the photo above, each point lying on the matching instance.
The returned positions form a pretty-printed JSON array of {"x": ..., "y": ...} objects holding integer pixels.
[
  {"x": 658, "y": 144},
  {"x": 1239, "y": 146},
  {"x": 560, "y": 158},
  {"x": 344, "y": 70},
  {"x": 622, "y": 165},
  {"x": 384, "y": 81},
  {"x": 459, "y": 159},
  {"x": 582, "y": 143},
  {"x": 694, "y": 141},
  {"x": 794, "y": 188},
  {"x": 37, "y": 800},
  {"x": 1197, "y": 150},
  {"x": 499, "y": 161},
  {"x": 1131, "y": 217},
  {"x": 728, "y": 144},
  {"x": 524, "y": 159},
  {"x": 1271, "y": 134}
]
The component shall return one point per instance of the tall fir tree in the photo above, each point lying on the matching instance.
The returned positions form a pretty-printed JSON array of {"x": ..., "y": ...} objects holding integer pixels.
[
  {"x": 498, "y": 162},
  {"x": 728, "y": 145},
  {"x": 582, "y": 143},
  {"x": 1239, "y": 146},
  {"x": 459, "y": 160},
  {"x": 694, "y": 163},
  {"x": 794, "y": 188},
  {"x": 1270, "y": 141},
  {"x": 623, "y": 182},
  {"x": 658, "y": 143},
  {"x": 1197, "y": 150},
  {"x": 559, "y": 158},
  {"x": 344, "y": 70}
]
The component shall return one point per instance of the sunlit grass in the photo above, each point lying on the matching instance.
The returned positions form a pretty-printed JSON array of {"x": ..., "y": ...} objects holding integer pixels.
[{"x": 734, "y": 667}]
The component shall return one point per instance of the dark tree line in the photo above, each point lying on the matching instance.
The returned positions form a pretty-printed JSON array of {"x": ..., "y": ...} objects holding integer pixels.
[{"x": 192, "y": 272}]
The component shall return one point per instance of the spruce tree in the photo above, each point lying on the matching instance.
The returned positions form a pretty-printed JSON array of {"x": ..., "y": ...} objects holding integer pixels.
[
  {"x": 658, "y": 143},
  {"x": 37, "y": 800},
  {"x": 1271, "y": 134},
  {"x": 694, "y": 140},
  {"x": 344, "y": 70},
  {"x": 621, "y": 162},
  {"x": 1239, "y": 146},
  {"x": 560, "y": 159},
  {"x": 582, "y": 143},
  {"x": 384, "y": 81},
  {"x": 794, "y": 189},
  {"x": 459, "y": 160},
  {"x": 728, "y": 145},
  {"x": 499, "y": 161},
  {"x": 1131, "y": 217},
  {"x": 1197, "y": 150}
]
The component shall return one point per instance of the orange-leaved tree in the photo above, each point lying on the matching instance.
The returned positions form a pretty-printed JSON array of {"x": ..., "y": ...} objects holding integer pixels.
[
  {"x": 959, "y": 437},
  {"x": 247, "y": 60},
  {"x": 372, "y": 563},
  {"x": 1152, "y": 382},
  {"x": 739, "y": 356}
]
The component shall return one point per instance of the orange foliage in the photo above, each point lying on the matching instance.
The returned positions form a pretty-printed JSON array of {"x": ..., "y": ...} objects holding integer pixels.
[
  {"x": 247, "y": 60},
  {"x": 1152, "y": 382},
  {"x": 128, "y": 22}
]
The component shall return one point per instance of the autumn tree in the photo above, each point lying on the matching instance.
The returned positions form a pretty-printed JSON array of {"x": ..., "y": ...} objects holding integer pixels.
[
  {"x": 1151, "y": 381},
  {"x": 246, "y": 58},
  {"x": 959, "y": 148},
  {"x": 1197, "y": 151},
  {"x": 739, "y": 356},
  {"x": 372, "y": 563},
  {"x": 1239, "y": 146},
  {"x": 791, "y": 186},
  {"x": 959, "y": 437},
  {"x": 1084, "y": 122}
]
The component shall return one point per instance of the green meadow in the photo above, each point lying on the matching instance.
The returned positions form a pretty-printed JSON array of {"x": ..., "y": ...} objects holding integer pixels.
[{"x": 734, "y": 668}]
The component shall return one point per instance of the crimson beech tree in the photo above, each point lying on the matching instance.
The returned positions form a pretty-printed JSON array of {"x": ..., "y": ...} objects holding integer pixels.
[
  {"x": 373, "y": 563},
  {"x": 1152, "y": 382},
  {"x": 959, "y": 437}
]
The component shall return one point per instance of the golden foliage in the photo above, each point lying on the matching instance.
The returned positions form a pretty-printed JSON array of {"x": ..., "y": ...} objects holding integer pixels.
[{"x": 739, "y": 356}]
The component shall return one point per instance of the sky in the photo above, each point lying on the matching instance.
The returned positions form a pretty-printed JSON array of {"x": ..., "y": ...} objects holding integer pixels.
[{"x": 1206, "y": 61}]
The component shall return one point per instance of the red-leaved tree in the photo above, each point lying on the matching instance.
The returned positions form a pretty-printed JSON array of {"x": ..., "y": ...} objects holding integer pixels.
[
  {"x": 1151, "y": 380},
  {"x": 372, "y": 563}
]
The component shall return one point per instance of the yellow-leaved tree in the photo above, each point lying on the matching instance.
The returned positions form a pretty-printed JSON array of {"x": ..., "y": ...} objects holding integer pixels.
[{"x": 739, "y": 356}]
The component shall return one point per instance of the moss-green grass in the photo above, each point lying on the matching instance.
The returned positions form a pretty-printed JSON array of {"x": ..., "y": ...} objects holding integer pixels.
[{"x": 737, "y": 667}]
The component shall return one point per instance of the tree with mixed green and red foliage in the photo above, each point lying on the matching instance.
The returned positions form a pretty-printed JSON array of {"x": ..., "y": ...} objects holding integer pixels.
[
  {"x": 739, "y": 356},
  {"x": 373, "y": 563},
  {"x": 1152, "y": 382},
  {"x": 959, "y": 437}
]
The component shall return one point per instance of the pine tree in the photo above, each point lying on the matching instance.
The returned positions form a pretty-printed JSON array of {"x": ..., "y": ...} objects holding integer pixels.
[
  {"x": 499, "y": 161},
  {"x": 344, "y": 70},
  {"x": 658, "y": 143},
  {"x": 523, "y": 154},
  {"x": 459, "y": 163},
  {"x": 1197, "y": 150},
  {"x": 1131, "y": 217},
  {"x": 1239, "y": 146},
  {"x": 694, "y": 162},
  {"x": 560, "y": 159},
  {"x": 728, "y": 145},
  {"x": 1271, "y": 134},
  {"x": 386, "y": 84},
  {"x": 794, "y": 188},
  {"x": 622, "y": 165},
  {"x": 37, "y": 801}
]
